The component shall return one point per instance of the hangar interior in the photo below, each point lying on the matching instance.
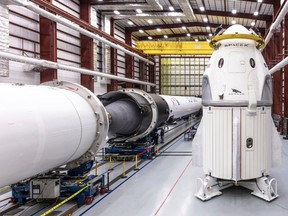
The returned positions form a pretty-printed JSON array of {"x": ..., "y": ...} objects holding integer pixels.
[{"x": 102, "y": 99}]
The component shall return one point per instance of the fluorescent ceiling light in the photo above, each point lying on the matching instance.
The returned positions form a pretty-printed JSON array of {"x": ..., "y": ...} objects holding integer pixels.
[
  {"x": 188, "y": 34},
  {"x": 171, "y": 8},
  {"x": 210, "y": 34},
  {"x": 178, "y": 19},
  {"x": 208, "y": 40},
  {"x": 233, "y": 22},
  {"x": 165, "y": 36},
  {"x": 116, "y": 12},
  {"x": 138, "y": 10},
  {"x": 150, "y": 21},
  {"x": 158, "y": 29},
  {"x": 208, "y": 27},
  {"x": 253, "y": 23},
  {"x": 196, "y": 40},
  {"x": 202, "y": 8},
  {"x": 130, "y": 23},
  {"x": 234, "y": 11},
  {"x": 150, "y": 38},
  {"x": 141, "y": 31},
  {"x": 184, "y": 27},
  {"x": 259, "y": 1},
  {"x": 256, "y": 13},
  {"x": 205, "y": 19}
]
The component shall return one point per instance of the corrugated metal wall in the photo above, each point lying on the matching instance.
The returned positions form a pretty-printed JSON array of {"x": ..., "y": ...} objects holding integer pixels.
[
  {"x": 24, "y": 39},
  {"x": 68, "y": 42}
]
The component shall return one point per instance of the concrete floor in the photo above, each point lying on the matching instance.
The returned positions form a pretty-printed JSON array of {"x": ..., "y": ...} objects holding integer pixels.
[{"x": 166, "y": 186}]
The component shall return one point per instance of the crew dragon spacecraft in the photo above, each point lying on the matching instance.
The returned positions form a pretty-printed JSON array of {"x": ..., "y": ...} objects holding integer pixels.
[{"x": 236, "y": 142}]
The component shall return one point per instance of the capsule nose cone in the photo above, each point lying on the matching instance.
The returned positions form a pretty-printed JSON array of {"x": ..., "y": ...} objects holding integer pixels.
[{"x": 237, "y": 29}]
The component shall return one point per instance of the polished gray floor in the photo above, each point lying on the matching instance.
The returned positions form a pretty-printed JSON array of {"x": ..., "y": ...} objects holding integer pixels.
[{"x": 166, "y": 186}]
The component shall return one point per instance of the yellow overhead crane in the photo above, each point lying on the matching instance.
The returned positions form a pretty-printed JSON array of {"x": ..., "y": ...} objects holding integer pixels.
[{"x": 174, "y": 47}]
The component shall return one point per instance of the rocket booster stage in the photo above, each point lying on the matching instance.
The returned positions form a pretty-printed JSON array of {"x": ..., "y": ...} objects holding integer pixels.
[
  {"x": 44, "y": 127},
  {"x": 60, "y": 123},
  {"x": 141, "y": 112}
]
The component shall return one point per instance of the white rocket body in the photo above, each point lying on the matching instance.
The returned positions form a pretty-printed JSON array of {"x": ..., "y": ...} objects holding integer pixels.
[
  {"x": 180, "y": 106},
  {"x": 237, "y": 131},
  {"x": 44, "y": 127}
]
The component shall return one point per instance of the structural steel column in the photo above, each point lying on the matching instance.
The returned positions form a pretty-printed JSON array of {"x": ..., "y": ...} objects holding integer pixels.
[
  {"x": 286, "y": 69},
  {"x": 129, "y": 61},
  {"x": 48, "y": 47},
  {"x": 142, "y": 74},
  {"x": 277, "y": 77},
  {"x": 113, "y": 86},
  {"x": 160, "y": 77},
  {"x": 152, "y": 78},
  {"x": 87, "y": 51}
]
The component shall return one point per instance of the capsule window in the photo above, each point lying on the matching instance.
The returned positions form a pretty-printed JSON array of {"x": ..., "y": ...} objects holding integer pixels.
[
  {"x": 220, "y": 63},
  {"x": 252, "y": 62}
]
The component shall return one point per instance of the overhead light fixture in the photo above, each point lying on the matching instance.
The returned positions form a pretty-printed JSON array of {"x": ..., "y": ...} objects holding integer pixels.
[
  {"x": 130, "y": 23},
  {"x": 184, "y": 27},
  {"x": 138, "y": 10},
  {"x": 100, "y": 0},
  {"x": 171, "y": 8},
  {"x": 150, "y": 21},
  {"x": 188, "y": 34},
  {"x": 196, "y": 40},
  {"x": 150, "y": 38},
  {"x": 253, "y": 23},
  {"x": 202, "y": 8},
  {"x": 208, "y": 40},
  {"x": 208, "y": 27},
  {"x": 210, "y": 34},
  {"x": 234, "y": 11},
  {"x": 233, "y": 22},
  {"x": 165, "y": 36},
  {"x": 259, "y": 1},
  {"x": 256, "y": 13},
  {"x": 158, "y": 29},
  {"x": 141, "y": 31},
  {"x": 116, "y": 12},
  {"x": 178, "y": 19},
  {"x": 205, "y": 19}
]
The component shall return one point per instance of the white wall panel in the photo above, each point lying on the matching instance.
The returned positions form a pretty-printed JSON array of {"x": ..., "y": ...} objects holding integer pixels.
[
  {"x": 256, "y": 160},
  {"x": 217, "y": 148},
  {"x": 68, "y": 6}
]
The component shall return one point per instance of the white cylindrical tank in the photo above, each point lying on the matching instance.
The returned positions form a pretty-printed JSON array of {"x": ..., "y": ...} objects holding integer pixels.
[
  {"x": 43, "y": 127},
  {"x": 180, "y": 106}
]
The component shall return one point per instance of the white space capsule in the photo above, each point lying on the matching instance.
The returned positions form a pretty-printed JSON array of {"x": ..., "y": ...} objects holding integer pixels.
[{"x": 236, "y": 133}]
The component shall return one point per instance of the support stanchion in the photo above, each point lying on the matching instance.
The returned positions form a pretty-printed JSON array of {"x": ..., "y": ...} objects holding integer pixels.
[
  {"x": 157, "y": 150},
  {"x": 136, "y": 163},
  {"x": 124, "y": 169},
  {"x": 110, "y": 163},
  {"x": 96, "y": 168}
]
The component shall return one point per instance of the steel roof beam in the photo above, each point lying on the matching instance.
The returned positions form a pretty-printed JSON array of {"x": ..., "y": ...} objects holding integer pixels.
[
  {"x": 179, "y": 25},
  {"x": 175, "y": 35}
]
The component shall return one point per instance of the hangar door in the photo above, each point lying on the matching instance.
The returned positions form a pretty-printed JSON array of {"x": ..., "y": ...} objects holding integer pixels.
[{"x": 182, "y": 75}]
